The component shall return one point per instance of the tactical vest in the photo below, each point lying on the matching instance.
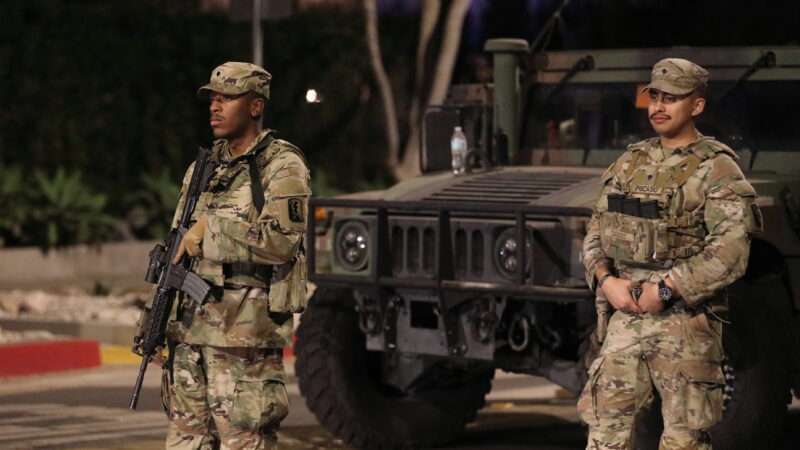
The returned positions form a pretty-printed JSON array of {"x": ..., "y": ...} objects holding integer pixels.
[
  {"x": 646, "y": 226},
  {"x": 286, "y": 282}
]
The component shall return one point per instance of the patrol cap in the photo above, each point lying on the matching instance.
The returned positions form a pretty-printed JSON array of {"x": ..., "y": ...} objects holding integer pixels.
[
  {"x": 677, "y": 76},
  {"x": 234, "y": 78}
]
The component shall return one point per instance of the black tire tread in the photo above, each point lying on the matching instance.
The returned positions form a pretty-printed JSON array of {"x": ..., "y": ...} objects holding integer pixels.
[{"x": 333, "y": 403}]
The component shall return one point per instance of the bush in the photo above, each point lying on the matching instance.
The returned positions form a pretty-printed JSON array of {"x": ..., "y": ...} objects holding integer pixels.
[
  {"x": 14, "y": 205},
  {"x": 150, "y": 209},
  {"x": 65, "y": 211}
]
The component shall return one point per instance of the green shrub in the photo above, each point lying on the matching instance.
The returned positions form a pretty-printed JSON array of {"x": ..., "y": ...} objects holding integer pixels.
[
  {"x": 14, "y": 204},
  {"x": 65, "y": 211},
  {"x": 151, "y": 209}
]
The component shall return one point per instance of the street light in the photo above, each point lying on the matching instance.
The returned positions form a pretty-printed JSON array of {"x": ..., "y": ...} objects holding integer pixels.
[{"x": 313, "y": 96}]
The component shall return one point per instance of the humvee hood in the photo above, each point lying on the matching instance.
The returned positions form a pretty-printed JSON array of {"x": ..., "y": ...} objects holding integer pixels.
[{"x": 552, "y": 186}]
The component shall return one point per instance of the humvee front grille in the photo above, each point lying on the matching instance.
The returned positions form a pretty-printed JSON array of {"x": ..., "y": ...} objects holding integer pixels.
[
  {"x": 468, "y": 247},
  {"x": 414, "y": 249},
  {"x": 508, "y": 188},
  {"x": 392, "y": 223}
]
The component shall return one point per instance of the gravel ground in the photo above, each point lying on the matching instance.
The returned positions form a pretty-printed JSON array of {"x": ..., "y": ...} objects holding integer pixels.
[
  {"x": 69, "y": 306},
  {"x": 10, "y": 337},
  {"x": 72, "y": 306}
]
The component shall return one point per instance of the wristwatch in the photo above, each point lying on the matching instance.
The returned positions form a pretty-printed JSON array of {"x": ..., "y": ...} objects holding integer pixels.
[{"x": 664, "y": 292}]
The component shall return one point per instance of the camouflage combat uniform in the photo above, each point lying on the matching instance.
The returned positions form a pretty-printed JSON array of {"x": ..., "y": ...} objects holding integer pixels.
[
  {"x": 228, "y": 375},
  {"x": 701, "y": 240}
]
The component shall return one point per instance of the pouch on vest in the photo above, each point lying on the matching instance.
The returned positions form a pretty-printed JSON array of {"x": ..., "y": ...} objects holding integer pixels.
[
  {"x": 754, "y": 221},
  {"x": 288, "y": 291},
  {"x": 634, "y": 239}
]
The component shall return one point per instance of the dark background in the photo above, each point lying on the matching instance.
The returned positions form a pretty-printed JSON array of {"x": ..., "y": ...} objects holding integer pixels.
[{"x": 105, "y": 91}]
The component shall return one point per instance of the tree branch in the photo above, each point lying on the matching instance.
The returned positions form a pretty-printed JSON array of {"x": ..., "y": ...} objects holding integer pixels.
[{"x": 382, "y": 79}]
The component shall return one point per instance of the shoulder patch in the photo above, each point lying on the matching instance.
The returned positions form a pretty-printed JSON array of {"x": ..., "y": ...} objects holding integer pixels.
[{"x": 295, "y": 210}]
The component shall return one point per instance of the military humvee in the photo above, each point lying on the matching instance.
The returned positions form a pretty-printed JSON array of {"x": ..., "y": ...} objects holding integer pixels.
[{"x": 426, "y": 288}]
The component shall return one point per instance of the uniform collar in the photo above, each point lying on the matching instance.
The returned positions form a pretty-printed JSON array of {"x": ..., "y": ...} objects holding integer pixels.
[
  {"x": 225, "y": 151},
  {"x": 680, "y": 150}
]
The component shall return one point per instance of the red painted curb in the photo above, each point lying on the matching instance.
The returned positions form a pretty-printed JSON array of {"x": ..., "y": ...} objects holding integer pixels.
[{"x": 28, "y": 358}]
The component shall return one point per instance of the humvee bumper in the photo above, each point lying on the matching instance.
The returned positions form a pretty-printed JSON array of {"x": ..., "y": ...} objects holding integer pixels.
[{"x": 438, "y": 311}]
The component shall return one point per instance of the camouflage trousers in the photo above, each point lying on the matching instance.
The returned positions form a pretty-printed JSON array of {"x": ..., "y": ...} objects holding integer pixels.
[
  {"x": 225, "y": 398},
  {"x": 677, "y": 353}
]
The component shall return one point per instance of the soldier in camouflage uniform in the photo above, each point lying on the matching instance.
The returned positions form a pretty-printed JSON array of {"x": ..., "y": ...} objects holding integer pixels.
[
  {"x": 227, "y": 377},
  {"x": 670, "y": 232}
]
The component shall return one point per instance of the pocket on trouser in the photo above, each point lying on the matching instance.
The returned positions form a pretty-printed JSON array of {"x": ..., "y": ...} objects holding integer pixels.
[
  {"x": 587, "y": 403},
  {"x": 700, "y": 323},
  {"x": 259, "y": 404},
  {"x": 703, "y": 393},
  {"x": 187, "y": 394},
  {"x": 704, "y": 337},
  {"x": 603, "y": 317}
]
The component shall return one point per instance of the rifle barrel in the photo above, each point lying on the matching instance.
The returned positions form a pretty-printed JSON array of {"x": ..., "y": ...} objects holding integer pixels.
[{"x": 138, "y": 386}]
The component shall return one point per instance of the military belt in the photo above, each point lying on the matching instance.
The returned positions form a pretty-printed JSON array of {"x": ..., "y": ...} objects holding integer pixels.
[
  {"x": 261, "y": 271},
  {"x": 217, "y": 292},
  {"x": 251, "y": 353}
]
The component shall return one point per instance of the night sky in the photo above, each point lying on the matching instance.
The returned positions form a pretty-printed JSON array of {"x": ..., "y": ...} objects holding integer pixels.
[{"x": 626, "y": 23}]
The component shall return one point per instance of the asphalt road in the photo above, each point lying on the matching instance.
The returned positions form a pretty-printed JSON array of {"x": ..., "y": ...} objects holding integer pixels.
[{"x": 87, "y": 410}]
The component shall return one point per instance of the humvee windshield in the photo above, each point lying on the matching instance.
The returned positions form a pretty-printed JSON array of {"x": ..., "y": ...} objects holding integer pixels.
[{"x": 753, "y": 117}]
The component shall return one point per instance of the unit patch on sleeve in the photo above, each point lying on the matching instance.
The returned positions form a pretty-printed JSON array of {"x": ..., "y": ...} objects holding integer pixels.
[{"x": 295, "y": 210}]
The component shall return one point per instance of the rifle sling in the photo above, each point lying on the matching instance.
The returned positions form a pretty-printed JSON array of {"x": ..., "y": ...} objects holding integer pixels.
[{"x": 256, "y": 188}]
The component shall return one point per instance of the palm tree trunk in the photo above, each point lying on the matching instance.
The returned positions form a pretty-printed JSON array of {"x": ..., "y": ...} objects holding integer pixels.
[
  {"x": 409, "y": 165},
  {"x": 384, "y": 86}
]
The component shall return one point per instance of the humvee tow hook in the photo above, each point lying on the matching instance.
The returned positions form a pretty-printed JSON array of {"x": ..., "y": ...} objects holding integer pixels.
[{"x": 519, "y": 333}]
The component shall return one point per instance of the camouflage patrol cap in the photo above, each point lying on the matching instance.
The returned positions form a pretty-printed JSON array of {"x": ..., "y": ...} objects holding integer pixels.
[
  {"x": 677, "y": 76},
  {"x": 234, "y": 78}
]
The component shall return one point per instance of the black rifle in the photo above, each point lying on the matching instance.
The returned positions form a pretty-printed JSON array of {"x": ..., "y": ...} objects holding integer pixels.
[{"x": 169, "y": 277}]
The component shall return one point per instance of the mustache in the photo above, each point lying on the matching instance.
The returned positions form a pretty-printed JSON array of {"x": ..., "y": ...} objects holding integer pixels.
[{"x": 217, "y": 118}]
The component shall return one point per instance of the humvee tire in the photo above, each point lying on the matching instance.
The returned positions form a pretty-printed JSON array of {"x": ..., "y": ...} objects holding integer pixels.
[
  {"x": 339, "y": 380},
  {"x": 761, "y": 313}
]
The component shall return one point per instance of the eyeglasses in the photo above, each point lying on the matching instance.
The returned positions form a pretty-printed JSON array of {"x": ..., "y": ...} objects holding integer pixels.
[{"x": 666, "y": 99}]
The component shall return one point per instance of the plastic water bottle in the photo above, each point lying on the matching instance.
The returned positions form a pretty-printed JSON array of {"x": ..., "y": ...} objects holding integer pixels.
[{"x": 458, "y": 150}]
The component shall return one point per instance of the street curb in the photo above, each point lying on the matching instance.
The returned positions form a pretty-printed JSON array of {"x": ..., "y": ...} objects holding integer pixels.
[
  {"x": 28, "y": 358},
  {"x": 115, "y": 355},
  {"x": 118, "y": 355},
  {"x": 107, "y": 333}
]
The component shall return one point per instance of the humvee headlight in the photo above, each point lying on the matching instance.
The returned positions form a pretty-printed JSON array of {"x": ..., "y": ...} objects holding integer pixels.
[
  {"x": 352, "y": 245},
  {"x": 506, "y": 253}
]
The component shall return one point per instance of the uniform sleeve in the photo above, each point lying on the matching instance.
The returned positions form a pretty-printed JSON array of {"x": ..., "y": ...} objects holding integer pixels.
[
  {"x": 276, "y": 235},
  {"x": 593, "y": 255},
  {"x": 729, "y": 217}
]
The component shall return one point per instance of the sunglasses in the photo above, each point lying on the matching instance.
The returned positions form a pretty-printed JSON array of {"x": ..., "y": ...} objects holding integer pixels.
[{"x": 665, "y": 98}]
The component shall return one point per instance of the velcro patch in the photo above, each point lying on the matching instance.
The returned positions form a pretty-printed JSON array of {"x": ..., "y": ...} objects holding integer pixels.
[{"x": 295, "y": 210}]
